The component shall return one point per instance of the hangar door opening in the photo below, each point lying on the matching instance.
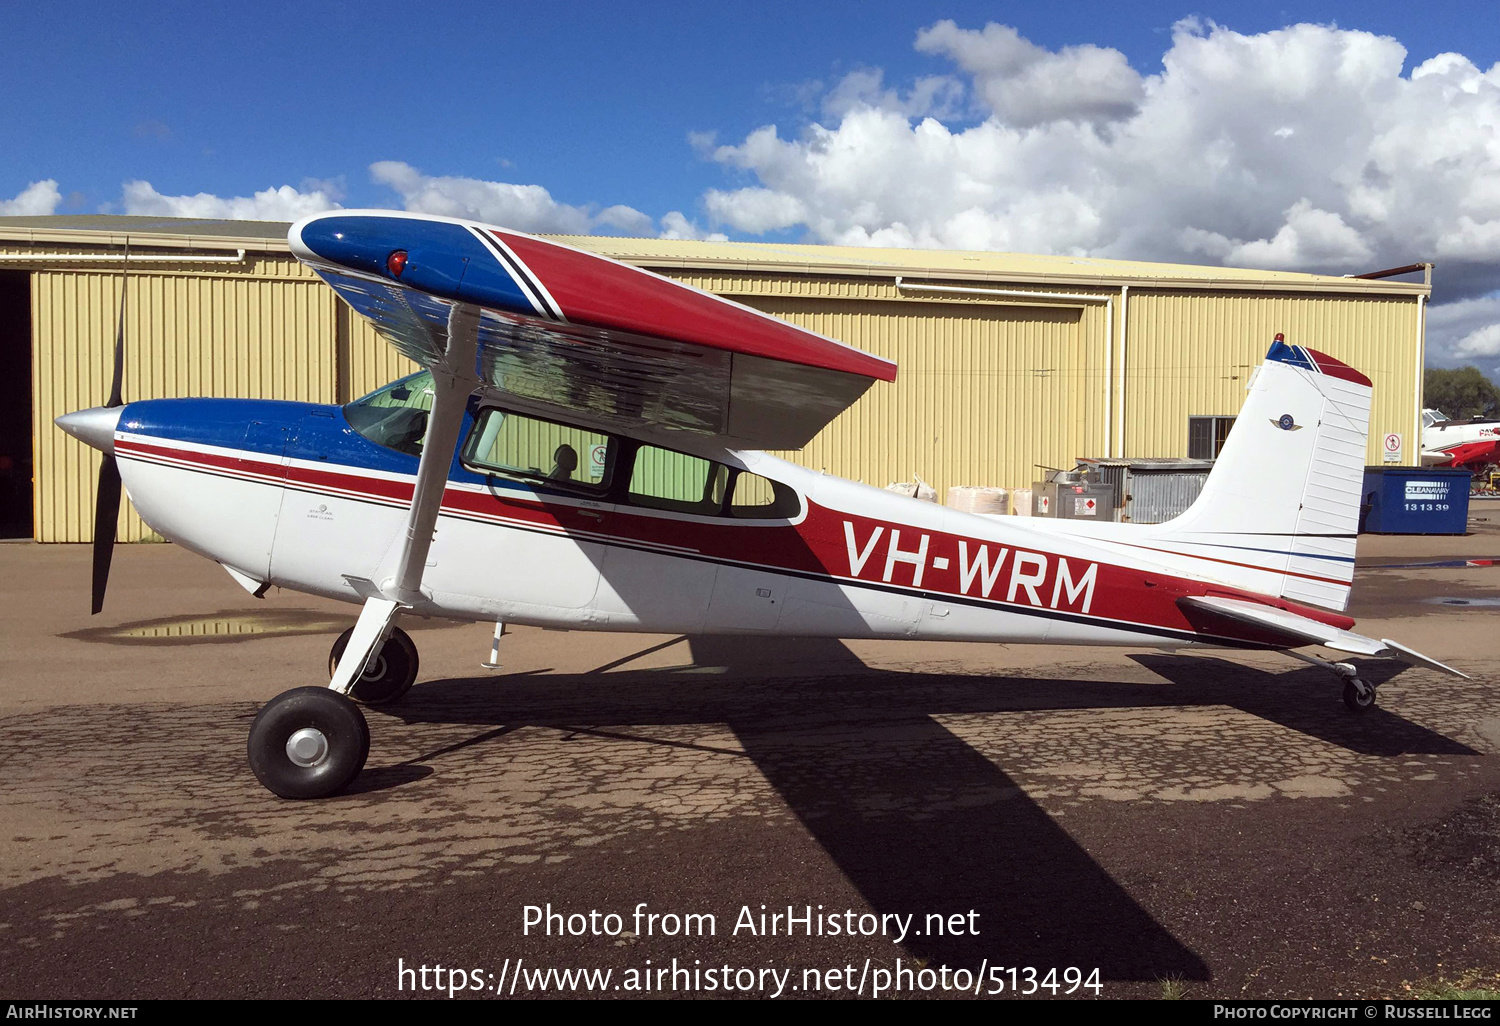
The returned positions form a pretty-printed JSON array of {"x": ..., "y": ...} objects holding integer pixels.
[
  {"x": 15, "y": 411},
  {"x": 983, "y": 393}
]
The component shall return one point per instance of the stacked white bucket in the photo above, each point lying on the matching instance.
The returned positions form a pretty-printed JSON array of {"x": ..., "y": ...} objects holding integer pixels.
[{"x": 986, "y": 501}]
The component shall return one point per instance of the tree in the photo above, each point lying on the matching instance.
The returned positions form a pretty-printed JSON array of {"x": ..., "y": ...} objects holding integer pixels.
[{"x": 1462, "y": 394}]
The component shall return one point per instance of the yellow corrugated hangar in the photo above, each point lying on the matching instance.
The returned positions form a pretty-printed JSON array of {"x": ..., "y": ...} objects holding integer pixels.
[{"x": 1007, "y": 362}]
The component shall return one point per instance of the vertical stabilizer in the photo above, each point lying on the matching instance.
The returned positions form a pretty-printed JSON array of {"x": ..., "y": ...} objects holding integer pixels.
[{"x": 1279, "y": 514}]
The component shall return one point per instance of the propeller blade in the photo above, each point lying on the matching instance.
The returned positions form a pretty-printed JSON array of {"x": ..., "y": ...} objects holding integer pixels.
[
  {"x": 115, "y": 398},
  {"x": 106, "y": 517},
  {"x": 107, "y": 497}
]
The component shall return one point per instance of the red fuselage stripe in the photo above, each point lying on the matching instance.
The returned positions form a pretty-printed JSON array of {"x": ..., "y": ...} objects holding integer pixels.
[{"x": 825, "y": 544}]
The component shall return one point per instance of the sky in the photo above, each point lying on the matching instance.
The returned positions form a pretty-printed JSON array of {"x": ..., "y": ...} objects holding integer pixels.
[{"x": 1328, "y": 137}]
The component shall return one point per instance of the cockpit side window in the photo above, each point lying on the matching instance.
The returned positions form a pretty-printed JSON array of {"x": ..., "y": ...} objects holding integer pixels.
[{"x": 395, "y": 416}]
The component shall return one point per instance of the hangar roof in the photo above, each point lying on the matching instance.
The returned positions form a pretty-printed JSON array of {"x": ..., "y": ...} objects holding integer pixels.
[
  {"x": 766, "y": 257},
  {"x": 180, "y": 232}
]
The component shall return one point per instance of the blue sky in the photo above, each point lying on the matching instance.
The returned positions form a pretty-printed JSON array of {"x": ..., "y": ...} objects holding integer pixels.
[{"x": 654, "y": 109}]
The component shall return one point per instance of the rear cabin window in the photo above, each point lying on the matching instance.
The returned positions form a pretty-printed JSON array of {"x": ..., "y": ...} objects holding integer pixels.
[
  {"x": 663, "y": 479},
  {"x": 675, "y": 481},
  {"x": 395, "y": 416},
  {"x": 758, "y": 498},
  {"x": 541, "y": 450}
]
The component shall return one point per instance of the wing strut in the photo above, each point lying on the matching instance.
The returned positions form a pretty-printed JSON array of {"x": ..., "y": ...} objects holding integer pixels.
[{"x": 453, "y": 381}]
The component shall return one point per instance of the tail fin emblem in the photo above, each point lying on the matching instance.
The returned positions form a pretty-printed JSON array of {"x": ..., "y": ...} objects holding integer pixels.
[{"x": 1287, "y": 423}]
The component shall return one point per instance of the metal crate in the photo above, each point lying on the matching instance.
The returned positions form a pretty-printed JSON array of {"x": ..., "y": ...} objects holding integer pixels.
[{"x": 1151, "y": 491}]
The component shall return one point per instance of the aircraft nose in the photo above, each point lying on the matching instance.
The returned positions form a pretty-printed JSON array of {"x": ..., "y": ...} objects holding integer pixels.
[{"x": 94, "y": 426}]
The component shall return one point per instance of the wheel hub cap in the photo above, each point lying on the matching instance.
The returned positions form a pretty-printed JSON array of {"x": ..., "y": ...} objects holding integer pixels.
[{"x": 307, "y": 747}]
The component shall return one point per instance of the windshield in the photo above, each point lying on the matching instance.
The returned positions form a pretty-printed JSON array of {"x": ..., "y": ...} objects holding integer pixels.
[{"x": 395, "y": 416}]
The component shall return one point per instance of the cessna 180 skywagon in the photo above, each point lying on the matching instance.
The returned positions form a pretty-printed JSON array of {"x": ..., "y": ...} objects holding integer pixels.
[{"x": 582, "y": 451}]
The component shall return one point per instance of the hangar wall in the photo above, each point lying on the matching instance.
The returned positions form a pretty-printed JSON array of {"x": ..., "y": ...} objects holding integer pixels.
[
  {"x": 988, "y": 389},
  {"x": 1189, "y": 354},
  {"x": 1109, "y": 362},
  {"x": 984, "y": 391},
  {"x": 260, "y": 331}
]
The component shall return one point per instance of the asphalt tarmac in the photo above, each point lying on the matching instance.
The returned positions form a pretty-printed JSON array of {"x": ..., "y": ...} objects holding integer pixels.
[{"x": 1215, "y": 823}]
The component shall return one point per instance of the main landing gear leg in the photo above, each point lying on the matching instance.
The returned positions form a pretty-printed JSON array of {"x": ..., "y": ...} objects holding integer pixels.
[
  {"x": 1359, "y": 694},
  {"x": 312, "y": 742}
]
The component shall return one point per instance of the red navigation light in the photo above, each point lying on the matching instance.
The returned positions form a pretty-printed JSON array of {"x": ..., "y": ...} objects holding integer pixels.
[
  {"x": 396, "y": 263},
  {"x": 1279, "y": 336}
]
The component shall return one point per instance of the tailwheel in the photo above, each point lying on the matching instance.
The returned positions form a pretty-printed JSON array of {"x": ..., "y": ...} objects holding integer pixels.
[
  {"x": 391, "y": 672},
  {"x": 308, "y": 743},
  {"x": 1359, "y": 695}
]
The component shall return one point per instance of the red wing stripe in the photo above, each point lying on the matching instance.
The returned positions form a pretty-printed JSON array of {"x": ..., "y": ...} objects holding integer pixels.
[{"x": 590, "y": 289}]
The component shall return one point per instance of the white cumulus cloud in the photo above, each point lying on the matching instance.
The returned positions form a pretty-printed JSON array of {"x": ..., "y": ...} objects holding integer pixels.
[
  {"x": 677, "y": 225},
  {"x": 1028, "y": 85},
  {"x": 279, "y": 204},
  {"x": 1470, "y": 330},
  {"x": 37, "y": 199},
  {"x": 755, "y": 210},
  {"x": 527, "y": 208},
  {"x": 1302, "y": 148}
]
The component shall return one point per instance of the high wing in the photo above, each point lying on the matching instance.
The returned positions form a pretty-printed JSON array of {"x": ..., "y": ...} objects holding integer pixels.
[
  {"x": 1293, "y": 629},
  {"x": 568, "y": 330}
]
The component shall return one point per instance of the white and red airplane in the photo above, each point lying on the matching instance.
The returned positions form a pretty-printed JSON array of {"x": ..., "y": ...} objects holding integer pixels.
[
  {"x": 582, "y": 452},
  {"x": 1472, "y": 444}
]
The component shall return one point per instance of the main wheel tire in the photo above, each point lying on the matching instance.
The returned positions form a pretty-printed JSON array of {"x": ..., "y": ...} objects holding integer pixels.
[
  {"x": 390, "y": 674},
  {"x": 308, "y": 743},
  {"x": 1356, "y": 699}
]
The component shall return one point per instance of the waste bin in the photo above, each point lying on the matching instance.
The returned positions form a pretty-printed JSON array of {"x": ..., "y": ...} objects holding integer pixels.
[{"x": 1414, "y": 500}]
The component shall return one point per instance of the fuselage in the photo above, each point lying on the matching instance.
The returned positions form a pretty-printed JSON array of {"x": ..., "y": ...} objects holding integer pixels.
[
  {"x": 1474, "y": 444},
  {"x": 293, "y": 495}
]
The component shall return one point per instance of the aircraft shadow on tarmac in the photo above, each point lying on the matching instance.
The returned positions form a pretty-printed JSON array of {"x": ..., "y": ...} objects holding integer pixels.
[{"x": 915, "y": 817}]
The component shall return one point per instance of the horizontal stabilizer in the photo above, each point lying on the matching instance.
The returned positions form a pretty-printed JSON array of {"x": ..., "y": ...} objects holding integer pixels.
[
  {"x": 1296, "y": 628},
  {"x": 1411, "y": 658},
  {"x": 1302, "y": 630}
]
